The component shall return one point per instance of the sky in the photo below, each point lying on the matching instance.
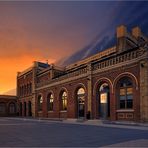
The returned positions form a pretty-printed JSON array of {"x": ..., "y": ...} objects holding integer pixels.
[{"x": 61, "y": 32}]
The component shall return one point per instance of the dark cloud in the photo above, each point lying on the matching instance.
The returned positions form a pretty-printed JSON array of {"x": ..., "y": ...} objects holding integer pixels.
[{"x": 130, "y": 14}]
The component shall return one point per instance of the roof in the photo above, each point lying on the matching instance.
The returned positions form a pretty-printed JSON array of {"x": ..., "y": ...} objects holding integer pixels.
[{"x": 8, "y": 97}]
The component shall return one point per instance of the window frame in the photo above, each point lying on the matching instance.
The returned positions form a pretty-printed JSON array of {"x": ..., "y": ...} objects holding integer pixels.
[
  {"x": 50, "y": 101},
  {"x": 40, "y": 103},
  {"x": 125, "y": 89},
  {"x": 64, "y": 101}
]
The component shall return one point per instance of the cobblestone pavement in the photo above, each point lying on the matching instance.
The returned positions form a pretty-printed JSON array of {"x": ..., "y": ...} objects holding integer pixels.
[{"x": 19, "y": 132}]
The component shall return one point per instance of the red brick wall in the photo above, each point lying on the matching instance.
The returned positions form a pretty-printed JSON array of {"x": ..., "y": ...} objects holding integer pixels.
[{"x": 112, "y": 75}]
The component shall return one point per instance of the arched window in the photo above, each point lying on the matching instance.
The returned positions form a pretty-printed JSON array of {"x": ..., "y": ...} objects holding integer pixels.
[
  {"x": 80, "y": 91},
  {"x": 11, "y": 108},
  {"x": 64, "y": 101},
  {"x": 125, "y": 93},
  {"x": 104, "y": 90},
  {"x": 2, "y": 108},
  {"x": 50, "y": 102},
  {"x": 40, "y": 102}
]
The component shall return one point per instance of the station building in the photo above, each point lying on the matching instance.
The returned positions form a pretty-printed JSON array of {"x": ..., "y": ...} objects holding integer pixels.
[
  {"x": 8, "y": 105},
  {"x": 112, "y": 84}
]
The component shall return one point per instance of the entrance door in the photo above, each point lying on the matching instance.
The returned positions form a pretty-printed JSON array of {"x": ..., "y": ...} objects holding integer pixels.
[
  {"x": 104, "y": 101},
  {"x": 29, "y": 109},
  {"x": 81, "y": 107},
  {"x": 20, "y": 108},
  {"x": 24, "y": 108}
]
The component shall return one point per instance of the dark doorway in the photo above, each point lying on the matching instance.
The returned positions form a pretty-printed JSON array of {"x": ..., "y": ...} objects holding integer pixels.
[
  {"x": 20, "y": 109},
  {"x": 24, "y": 108},
  {"x": 29, "y": 109},
  {"x": 81, "y": 108},
  {"x": 81, "y": 102},
  {"x": 104, "y": 101}
]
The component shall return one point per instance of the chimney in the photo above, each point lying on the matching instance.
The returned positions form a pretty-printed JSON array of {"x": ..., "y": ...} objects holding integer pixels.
[
  {"x": 136, "y": 32},
  {"x": 121, "y": 31},
  {"x": 121, "y": 38}
]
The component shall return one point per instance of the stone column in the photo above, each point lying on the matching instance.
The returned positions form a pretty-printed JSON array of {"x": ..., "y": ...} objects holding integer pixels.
[
  {"x": 144, "y": 90},
  {"x": 33, "y": 102}
]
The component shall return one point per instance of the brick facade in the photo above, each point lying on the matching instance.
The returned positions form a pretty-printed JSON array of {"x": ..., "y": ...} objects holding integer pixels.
[{"x": 118, "y": 75}]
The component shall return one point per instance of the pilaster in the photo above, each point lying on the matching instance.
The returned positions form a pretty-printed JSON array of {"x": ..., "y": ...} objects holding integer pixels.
[
  {"x": 89, "y": 90},
  {"x": 144, "y": 90}
]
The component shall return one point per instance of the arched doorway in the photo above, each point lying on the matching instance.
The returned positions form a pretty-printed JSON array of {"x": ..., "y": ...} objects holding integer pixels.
[
  {"x": 12, "y": 108},
  {"x": 2, "y": 109},
  {"x": 24, "y": 108},
  {"x": 81, "y": 102},
  {"x": 104, "y": 101},
  {"x": 20, "y": 108},
  {"x": 29, "y": 109}
]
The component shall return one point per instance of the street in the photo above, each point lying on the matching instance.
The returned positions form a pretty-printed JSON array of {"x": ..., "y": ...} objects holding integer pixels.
[{"x": 42, "y": 133}]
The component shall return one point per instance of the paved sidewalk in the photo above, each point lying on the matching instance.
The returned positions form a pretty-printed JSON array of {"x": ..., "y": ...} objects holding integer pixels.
[{"x": 103, "y": 123}]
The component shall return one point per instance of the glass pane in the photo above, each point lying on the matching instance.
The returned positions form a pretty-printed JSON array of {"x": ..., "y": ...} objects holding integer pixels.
[
  {"x": 129, "y": 90},
  {"x": 51, "y": 100},
  {"x": 129, "y": 97},
  {"x": 122, "y": 97},
  {"x": 64, "y": 104},
  {"x": 51, "y": 106},
  {"x": 129, "y": 103},
  {"x": 64, "y": 94},
  {"x": 122, "y": 92},
  {"x": 81, "y": 91},
  {"x": 103, "y": 98},
  {"x": 51, "y": 96},
  {"x": 104, "y": 87},
  {"x": 122, "y": 104},
  {"x": 125, "y": 82}
]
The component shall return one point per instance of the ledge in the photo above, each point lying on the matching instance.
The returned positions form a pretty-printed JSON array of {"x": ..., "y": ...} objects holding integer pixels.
[
  {"x": 124, "y": 110},
  {"x": 63, "y": 111},
  {"x": 51, "y": 111}
]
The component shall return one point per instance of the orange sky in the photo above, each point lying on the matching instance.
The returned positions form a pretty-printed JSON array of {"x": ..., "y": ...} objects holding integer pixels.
[
  {"x": 10, "y": 67},
  {"x": 39, "y": 31}
]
